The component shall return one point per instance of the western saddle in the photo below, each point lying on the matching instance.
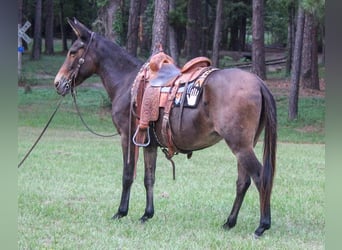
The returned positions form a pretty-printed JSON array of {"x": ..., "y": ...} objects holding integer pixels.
[{"x": 156, "y": 86}]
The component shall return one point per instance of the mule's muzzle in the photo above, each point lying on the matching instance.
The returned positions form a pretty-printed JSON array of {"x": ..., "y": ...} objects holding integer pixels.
[{"x": 63, "y": 86}]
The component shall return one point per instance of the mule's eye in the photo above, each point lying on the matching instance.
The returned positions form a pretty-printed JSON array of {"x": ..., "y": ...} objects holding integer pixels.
[{"x": 72, "y": 53}]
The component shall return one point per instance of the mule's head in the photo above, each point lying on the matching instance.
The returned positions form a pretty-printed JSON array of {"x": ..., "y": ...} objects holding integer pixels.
[{"x": 79, "y": 63}]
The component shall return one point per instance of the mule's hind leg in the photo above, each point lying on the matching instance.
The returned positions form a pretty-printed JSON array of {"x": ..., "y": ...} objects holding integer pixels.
[
  {"x": 242, "y": 184},
  {"x": 249, "y": 166},
  {"x": 254, "y": 169}
]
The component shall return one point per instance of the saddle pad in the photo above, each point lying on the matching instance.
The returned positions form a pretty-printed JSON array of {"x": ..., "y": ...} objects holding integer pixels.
[{"x": 189, "y": 96}]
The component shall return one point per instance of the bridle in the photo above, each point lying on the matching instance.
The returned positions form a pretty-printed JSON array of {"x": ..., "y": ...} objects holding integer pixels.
[
  {"x": 81, "y": 60},
  {"x": 72, "y": 80}
]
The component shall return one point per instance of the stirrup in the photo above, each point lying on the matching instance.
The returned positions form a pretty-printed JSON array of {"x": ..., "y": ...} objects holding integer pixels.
[{"x": 141, "y": 144}]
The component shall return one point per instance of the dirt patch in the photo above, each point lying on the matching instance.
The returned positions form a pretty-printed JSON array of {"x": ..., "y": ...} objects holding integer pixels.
[
  {"x": 310, "y": 129},
  {"x": 282, "y": 87}
]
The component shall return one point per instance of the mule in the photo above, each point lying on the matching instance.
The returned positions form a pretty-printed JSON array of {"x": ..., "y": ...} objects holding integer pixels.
[{"x": 235, "y": 106}]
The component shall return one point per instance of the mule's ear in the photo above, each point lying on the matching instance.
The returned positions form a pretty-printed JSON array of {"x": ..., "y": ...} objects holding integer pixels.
[{"x": 80, "y": 29}]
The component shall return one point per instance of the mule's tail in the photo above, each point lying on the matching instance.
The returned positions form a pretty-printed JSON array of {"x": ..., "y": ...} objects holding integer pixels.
[{"x": 270, "y": 142}]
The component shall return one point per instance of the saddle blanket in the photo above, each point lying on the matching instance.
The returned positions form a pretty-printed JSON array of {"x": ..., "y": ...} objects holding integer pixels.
[{"x": 189, "y": 96}]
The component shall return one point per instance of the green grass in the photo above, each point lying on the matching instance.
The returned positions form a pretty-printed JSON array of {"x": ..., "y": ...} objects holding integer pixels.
[
  {"x": 70, "y": 185},
  {"x": 308, "y": 127},
  {"x": 36, "y": 107},
  {"x": 43, "y": 71}
]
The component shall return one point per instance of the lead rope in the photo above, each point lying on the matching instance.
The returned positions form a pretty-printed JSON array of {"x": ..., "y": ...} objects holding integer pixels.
[
  {"x": 49, "y": 121},
  {"x": 73, "y": 86},
  {"x": 83, "y": 121},
  {"x": 41, "y": 134}
]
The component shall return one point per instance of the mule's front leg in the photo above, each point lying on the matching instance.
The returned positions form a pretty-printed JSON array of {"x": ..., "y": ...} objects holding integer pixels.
[
  {"x": 127, "y": 180},
  {"x": 150, "y": 157}
]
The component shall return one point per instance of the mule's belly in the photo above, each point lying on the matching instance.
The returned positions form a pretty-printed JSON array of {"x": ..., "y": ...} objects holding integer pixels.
[
  {"x": 191, "y": 140},
  {"x": 191, "y": 130}
]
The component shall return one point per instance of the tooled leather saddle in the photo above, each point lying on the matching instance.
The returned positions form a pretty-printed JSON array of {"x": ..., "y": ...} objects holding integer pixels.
[{"x": 157, "y": 85}]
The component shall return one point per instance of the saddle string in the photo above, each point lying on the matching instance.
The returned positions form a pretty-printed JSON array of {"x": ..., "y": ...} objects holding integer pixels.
[
  {"x": 165, "y": 151},
  {"x": 129, "y": 133},
  {"x": 167, "y": 155}
]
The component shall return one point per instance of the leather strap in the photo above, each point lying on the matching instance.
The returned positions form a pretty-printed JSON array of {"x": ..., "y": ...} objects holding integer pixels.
[{"x": 166, "y": 130}]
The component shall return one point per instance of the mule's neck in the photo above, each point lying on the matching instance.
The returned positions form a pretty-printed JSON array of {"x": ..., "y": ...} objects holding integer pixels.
[{"x": 117, "y": 68}]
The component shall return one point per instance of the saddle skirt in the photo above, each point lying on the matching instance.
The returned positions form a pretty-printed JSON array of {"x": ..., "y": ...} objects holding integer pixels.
[{"x": 161, "y": 84}]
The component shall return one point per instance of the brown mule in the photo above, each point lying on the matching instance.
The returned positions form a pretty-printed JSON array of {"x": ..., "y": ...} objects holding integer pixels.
[{"x": 235, "y": 106}]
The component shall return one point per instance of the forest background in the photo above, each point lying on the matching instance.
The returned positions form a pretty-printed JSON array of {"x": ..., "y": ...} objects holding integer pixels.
[{"x": 230, "y": 32}]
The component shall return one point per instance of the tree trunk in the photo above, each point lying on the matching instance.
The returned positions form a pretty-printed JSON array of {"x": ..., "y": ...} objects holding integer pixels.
[
  {"x": 205, "y": 32},
  {"x": 323, "y": 43},
  {"x": 160, "y": 25},
  {"x": 144, "y": 34},
  {"x": 290, "y": 37},
  {"x": 62, "y": 23},
  {"x": 234, "y": 35},
  {"x": 173, "y": 37},
  {"x": 258, "y": 46},
  {"x": 37, "y": 35},
  {"x": 242, "y": 33},
  {"x": 133, "y": 27},
  {"x": 217, "y": 34},
  {"x": 225, "y": 32},
  {"x": 49, "y": 27},
  {"x": 296, "y": 65},
  {"x": 314, "y": 65},
  {"x": 193, "y": 44},
  {"x": 309, "y": 72},
  {"x": 105, "y": 19}
]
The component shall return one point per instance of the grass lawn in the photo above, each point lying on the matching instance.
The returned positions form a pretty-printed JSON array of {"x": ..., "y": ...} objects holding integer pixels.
[{"x": 70, "y": 186}]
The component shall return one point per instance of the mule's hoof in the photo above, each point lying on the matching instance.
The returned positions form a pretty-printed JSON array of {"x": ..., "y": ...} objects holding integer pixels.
[
  {"x": 260, "y": 230},
  {"x": 229, "y": 224},
  {"x": 256, "y": 237},
  {"x": 118, "y": 215},
  {"x": 145, "y": 218}
]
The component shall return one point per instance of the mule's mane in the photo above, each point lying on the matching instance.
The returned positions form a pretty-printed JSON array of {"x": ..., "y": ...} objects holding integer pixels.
[
  {"x": 115, "y": 65},
  {"x": 119, "y": 55}
]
